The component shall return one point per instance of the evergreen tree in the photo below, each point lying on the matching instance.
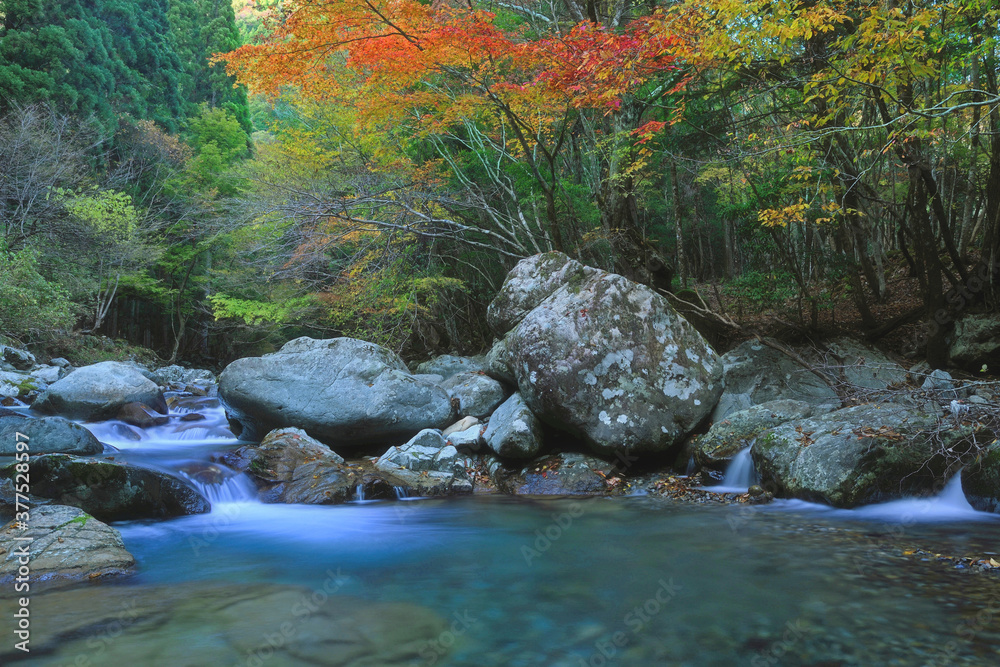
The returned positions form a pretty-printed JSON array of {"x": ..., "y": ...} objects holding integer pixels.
[
  {"x": 200, "y": 29},
  {"x": 98, "y": 57}
]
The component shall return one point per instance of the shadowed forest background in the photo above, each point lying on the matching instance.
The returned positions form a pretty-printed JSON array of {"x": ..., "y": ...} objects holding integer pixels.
[{"x": 209, "y": 179}]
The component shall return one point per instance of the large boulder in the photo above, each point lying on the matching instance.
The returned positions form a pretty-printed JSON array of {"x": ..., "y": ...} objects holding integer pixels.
[
  {"x": 604, "y": 358},
  {"x": 448, "y": 365},
  {"x": 48, "y": 435},
  {"x": 726, "y": 438},
  {"x": 245, "y": 623},
  {"x": 109, "y": 491},
  {"x": 857, "y": 366},
  {"x": 98, "y": 391},
  {"x": 342, "y": 391},
  {"x": 513, "y": 431},
  {"x": 290, "y": 467},
  {"x": 976, "y": 341},
  {"x": 757, "y": 373},
  {"x": 862, "y": 454},
  {"x": 64, "y": 542},
  {"x": 478, "y": 394}
]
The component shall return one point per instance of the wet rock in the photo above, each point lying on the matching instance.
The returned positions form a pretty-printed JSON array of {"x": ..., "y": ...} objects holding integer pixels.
[
  {"x": 561, "y": 474},
  {"x": 65, "y": 542},
  {"x": 981, "y": 480},
  {"x": 477, "y": 393},
  {"x": 288, "y": 466},
  {"x": 192, "y": 417},
  {"x": 342, "y": 391},
  {"x": 863, "y": 454},
  {"x": 448, "y": 365},
  {"x": 756, "y": 373},
  {"x": 728, "y": 437},
  {"x": 110, "y": 491},
  {"x": 99, "y": 391},
  {"x": 140, "y": 415},
  {"x": 604, "y": 358},
  {"x": 513, "y": 431},
  {"x": 48, "y": 435},
  {"x": 21, "y": 360},
  {"x": 208, "y": 623},
  {"x": 181, "y": 375}
]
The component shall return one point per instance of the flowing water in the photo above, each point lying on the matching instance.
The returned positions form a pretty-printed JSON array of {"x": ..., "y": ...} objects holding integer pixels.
[{"x": 590, "y": 582}]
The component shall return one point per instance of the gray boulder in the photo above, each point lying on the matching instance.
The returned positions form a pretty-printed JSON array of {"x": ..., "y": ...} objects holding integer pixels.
[
  {"x": 862, "y": 454},
  {"x": 513, "y": 431},
  {"x": 427, "y": 450},
  {"x": 605, "y": 358},
  {"x": 14, "y": 384},
  {"x": 976, "y": 341},
  {"x": 478, "y": 394},
  {"x": 342, "y": 391},
  {"x": 109, "y": 491},
  {"x": 21, "y": 360},
  {"x": 99, "y": 391},
  {"x": 66, "y": 542},
  {"x": 471, "y": 439},
  {"x": 180, "y": 375},
  {"x": 941, "y": 383},
  {"x": 756, "y": 373},
  {"x": 497, "y": 366},
  {"x": 728, "y": 437},
  {"x": 448, "y": 365},
  {"x": 857, "y": 365},
  {"x": 48, "y": 435},
  {"x": 46, "y": 375}
]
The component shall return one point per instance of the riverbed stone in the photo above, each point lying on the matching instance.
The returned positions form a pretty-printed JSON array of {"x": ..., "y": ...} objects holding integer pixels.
[
  {"x": 449, "y": 365},
  {"x": 513, "y": 431},
  {"x": 289, "y": 466},
  {"x": 563, "y": 474},
  {"x": 138, "y": 414},
  {"x": 497, "y": 366},
  {"x": 604, "y": 358},
  {"x": 427, "y": 450},
  {"x": 756, "y": 373},
  {"x": 857, "y": 365},
  {"x": 478, "y": 394},
  {"x": 48, "y": 435},
  {"x": 181, "y": 375},
  {"x": 65, "y": 543},
  {"x": 108, "y": 490},
  {"x": 342, "y": 391},
  {"x": 862, "y": 454},
  {"x": 98, "y": 391},
  {"x": 727, "y": 437},
  {"x": 217, "y": 623}
]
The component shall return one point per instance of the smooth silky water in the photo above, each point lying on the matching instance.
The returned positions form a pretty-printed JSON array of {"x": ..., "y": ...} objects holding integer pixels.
[{"x": 557, "y": 582}]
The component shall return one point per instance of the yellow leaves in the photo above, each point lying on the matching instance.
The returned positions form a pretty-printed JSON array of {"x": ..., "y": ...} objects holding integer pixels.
[{"x": 782, "y": 217}]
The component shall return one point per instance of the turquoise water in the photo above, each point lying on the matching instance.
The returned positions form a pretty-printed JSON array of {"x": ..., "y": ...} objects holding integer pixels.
[{"x": 569, "y": 583}]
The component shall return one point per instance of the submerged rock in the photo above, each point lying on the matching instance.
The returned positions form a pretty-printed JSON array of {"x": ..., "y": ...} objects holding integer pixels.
[
  {"x": 48, "y": 435},
  {"x": 99, "y": 391},
  {"x": 65, "y": 542},
  {"x": 728, "y": 437},
  {"x": 602, "y": 357},
  {"x": 342, "y": 391},
  {"x": 137, "y": 414},
  {"x": 863, "y": 454},
  {"x": 513, "y": 431},
  {"x": 563, "y": 474},
  {"x": 110, "y": 491},
  {"x": 208, "y": 623}
]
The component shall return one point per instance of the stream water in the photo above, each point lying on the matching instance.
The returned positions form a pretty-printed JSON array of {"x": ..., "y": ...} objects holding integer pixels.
[{"x": 567, "y": 583}]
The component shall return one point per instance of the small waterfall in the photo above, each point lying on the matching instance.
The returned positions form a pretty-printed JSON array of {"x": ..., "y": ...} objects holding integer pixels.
[
  {"x": 360, "y": 492},
  {"x": 400, "y": 492},
  {"x": 740, "y": 474},
  {"x": 948, "y": 505},
  {"x": 222, "y": 486}
]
